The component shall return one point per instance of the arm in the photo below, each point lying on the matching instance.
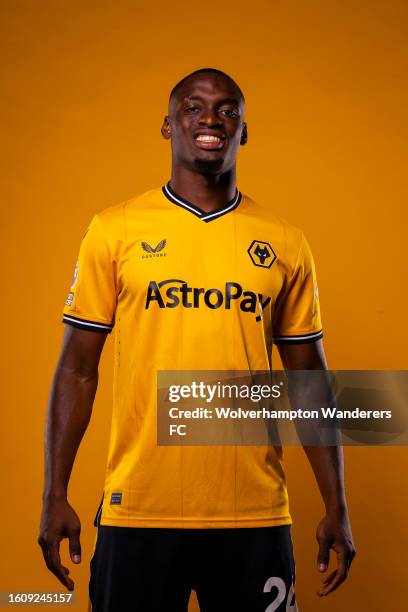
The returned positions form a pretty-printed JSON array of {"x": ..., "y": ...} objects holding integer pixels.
[
  {"x": 69, "y": 411},
  {"x": 334, "y": 529}
]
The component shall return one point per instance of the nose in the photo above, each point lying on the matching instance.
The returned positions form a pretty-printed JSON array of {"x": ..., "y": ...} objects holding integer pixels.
[{"x": 209, "y": 118}]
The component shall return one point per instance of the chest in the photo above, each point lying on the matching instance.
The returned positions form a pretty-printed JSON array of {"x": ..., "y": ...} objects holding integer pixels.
[{"x": 178, "y": 260}]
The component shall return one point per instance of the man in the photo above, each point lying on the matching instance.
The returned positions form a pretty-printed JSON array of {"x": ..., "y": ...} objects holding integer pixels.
[{"x": 210, "y": 518}]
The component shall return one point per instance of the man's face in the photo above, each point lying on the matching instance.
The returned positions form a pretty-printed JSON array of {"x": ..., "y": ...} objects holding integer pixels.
[{"x": 205, "y": 123}]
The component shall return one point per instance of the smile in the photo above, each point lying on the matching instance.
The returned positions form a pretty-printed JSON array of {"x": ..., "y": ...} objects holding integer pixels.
[{"x": 208, "y": 141}]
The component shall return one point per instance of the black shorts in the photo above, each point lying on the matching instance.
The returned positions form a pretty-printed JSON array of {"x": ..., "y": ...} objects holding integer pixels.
[{"x": 137, "y": 569}]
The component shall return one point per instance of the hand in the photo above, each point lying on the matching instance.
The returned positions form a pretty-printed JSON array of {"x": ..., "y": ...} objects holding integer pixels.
[
  {"x": 334, "y": 531},
  {"x": 59, "y": 520}
]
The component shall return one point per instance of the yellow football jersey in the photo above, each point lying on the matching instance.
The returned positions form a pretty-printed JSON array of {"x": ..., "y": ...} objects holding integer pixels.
[{"x": 190, "y": 290}]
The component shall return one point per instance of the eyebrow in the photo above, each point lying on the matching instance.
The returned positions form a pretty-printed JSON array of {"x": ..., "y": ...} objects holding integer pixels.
[{"x": 224, "y": 101}]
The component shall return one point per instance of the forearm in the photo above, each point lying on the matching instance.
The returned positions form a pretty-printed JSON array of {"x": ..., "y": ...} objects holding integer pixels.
[
  {"x": 328, "y": 468},
  {"x": 69, "y": 411}
]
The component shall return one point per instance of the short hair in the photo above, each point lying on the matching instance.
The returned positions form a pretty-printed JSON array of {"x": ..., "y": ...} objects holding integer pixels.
[{"x": 200, "y": 70}]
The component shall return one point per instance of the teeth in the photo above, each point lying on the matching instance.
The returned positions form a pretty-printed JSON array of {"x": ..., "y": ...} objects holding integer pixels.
[{"x": 208, "y": 138}]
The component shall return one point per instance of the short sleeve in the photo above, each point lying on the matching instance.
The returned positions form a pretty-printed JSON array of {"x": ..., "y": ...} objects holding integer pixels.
[
  {"x": 91, "y": 301},
  {"x": 297, "y": 311}
]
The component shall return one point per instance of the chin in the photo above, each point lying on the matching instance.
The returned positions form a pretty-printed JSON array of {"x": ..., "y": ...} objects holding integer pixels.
[{"x": 209, "y": 166}]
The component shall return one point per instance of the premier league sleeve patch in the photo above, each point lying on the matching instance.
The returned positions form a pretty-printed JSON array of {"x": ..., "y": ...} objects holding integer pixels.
[{"x": 74, "y": 278}]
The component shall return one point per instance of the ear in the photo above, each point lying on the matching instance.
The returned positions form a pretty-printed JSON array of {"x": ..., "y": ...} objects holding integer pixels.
[
  {"x": 244, "y": 134},
  {"x": 166, "y": 128}
]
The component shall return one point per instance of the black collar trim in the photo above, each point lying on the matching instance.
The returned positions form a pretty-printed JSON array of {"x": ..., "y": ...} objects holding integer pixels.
[{"x": 205, "y": 216}]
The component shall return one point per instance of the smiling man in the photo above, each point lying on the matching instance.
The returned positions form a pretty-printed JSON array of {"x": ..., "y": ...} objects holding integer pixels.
[{"x": 193, "y": 275}]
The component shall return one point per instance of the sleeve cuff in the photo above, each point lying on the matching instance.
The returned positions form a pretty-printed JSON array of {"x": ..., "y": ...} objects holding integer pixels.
[
  {"x": 88, "y": 325},
  {"x": 298, "y": 338}
]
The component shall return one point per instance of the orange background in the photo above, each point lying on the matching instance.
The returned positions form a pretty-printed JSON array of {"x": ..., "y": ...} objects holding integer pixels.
[{"x": 85, "y": 87}]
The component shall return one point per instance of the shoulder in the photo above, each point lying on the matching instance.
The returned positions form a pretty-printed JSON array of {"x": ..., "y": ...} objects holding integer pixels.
[
  {"x": 289, "y": 236},
  {"x": 112, "y": 219}
]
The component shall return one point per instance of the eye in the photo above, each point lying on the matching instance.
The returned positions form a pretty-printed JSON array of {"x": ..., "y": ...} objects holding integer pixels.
[
  {"x": 190, "y": 109},
  {"x": 229, "y": 112}
]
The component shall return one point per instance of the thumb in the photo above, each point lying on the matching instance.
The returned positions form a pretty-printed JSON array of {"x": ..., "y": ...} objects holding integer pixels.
[
  {"x": 74, "y": 546},
  {"x": 323, "y": 556}
]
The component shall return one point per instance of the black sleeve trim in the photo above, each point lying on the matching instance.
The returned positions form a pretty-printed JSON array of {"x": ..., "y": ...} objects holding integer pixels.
[
  {"x": 88, "y": 325},
  {"x": 299, "y": 338},
  {"x": 97, "y": 519}
]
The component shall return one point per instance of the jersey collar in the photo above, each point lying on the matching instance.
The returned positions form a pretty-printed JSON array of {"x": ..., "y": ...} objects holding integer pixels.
[{"x": 204, "y": 216}]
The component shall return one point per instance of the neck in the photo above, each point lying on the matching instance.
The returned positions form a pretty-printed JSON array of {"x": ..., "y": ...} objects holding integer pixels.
[{"x": 207, "y": 191}]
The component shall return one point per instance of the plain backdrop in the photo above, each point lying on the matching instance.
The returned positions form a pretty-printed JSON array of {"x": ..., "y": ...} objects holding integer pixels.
[{"x": 84, "y": 91}]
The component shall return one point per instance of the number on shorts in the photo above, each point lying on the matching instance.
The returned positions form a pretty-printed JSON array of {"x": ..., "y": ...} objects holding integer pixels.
[{"x": 275, "y": 581}]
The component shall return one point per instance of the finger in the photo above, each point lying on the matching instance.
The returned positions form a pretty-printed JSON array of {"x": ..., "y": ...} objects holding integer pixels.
[
  {"x": 329, "y": 577},
  {"x": 323, "y": 556},
  {"x": 74, "y": 546},
  {"x": 53, "y": 561},
  {"x": 337, "y": 577},
  {"x": 351, "y": 557},
  {"x": 54, "y": 565}
]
